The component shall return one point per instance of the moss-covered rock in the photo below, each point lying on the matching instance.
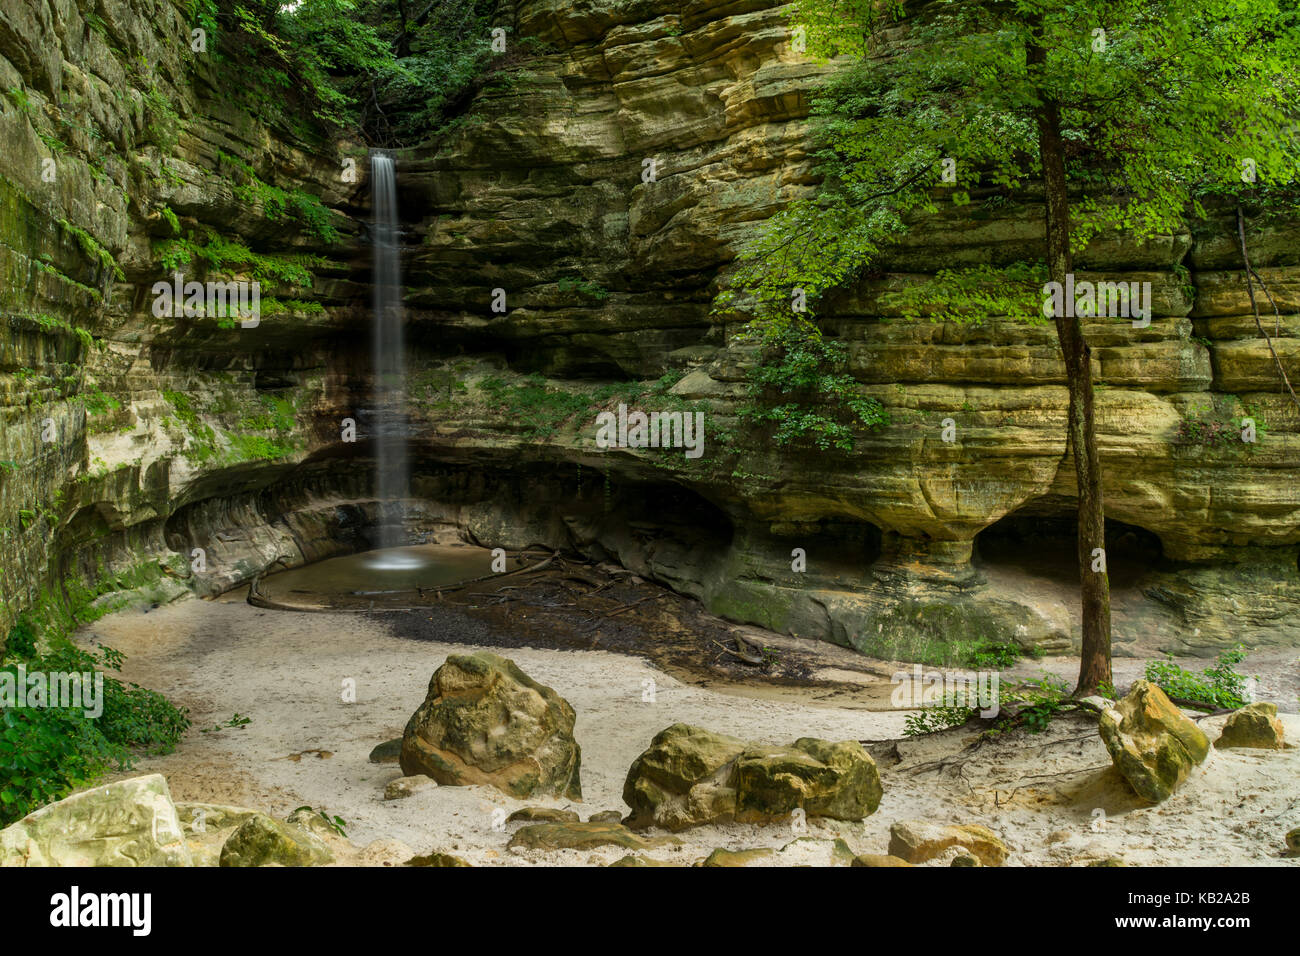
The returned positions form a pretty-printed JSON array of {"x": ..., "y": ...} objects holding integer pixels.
[
  {"x": 128, "y": 823},
  {"x": 583, "y": 836},
  {"x": 263, "y": 841},
  {"x": 689, "y": 776},
  {"x": 722, "y": 857},
  {"x": 484, "y": 721},
  {"x": 1255, "y": 725},
  {"x": 1151, "y": 742},
  {"x": 546, "y": 815}
]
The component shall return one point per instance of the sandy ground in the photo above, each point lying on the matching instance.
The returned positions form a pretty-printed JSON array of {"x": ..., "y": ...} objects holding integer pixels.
[{"x": 1051, "y": 797}]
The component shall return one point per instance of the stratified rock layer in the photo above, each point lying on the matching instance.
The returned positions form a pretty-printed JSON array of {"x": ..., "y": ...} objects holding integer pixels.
[{"x": 607, "y": 190}]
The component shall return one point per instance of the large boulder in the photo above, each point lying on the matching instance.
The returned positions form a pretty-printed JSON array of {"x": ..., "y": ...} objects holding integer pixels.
[
  {"x": 127, "y": 823},
  {"x": 690, "y": 776},
  {"x": 1255, "y": 725},
  {"x": 484, "y": 721},
  {"x": 1151, "y": 742}
]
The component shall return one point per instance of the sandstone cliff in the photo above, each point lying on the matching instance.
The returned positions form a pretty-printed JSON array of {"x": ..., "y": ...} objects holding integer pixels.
[{"x": 172, "y": 435}]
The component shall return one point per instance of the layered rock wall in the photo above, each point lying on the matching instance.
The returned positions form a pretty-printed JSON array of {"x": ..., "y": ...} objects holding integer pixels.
[{"x": 176, "y": 434}]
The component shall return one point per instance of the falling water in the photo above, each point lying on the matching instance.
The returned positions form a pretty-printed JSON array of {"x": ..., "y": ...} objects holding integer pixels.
[{"x": 392, "y": 479}]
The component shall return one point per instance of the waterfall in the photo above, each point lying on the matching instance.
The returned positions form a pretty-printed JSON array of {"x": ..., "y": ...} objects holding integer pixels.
[{"x": 392, "y": 478}]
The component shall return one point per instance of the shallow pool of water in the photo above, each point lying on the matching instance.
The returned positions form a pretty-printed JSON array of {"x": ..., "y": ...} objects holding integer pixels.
[{"x": 380, "y": 572}]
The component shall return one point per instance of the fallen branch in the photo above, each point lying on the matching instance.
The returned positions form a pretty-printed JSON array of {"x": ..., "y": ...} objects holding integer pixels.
[{"x": 439, "y": 591}]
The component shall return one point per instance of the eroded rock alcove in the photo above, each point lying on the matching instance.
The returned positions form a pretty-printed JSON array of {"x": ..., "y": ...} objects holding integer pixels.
[{"x": 129, "y": 441}]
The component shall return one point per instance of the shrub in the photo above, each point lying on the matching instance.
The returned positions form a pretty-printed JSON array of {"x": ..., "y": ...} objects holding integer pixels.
[
  {"x": 46, "y": 752},
  {"x": 801, "y": 392},
  {"x": 1219, "y": 686}
]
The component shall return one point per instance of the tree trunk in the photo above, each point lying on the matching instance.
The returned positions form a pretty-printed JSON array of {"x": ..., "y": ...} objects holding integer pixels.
[
  {"x": 403, "y": 39},
  {"x": 1094, "y": 664}
]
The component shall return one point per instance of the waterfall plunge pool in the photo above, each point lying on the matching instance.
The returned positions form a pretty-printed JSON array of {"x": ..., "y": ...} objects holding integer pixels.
[{"x": 384, "y": 573}]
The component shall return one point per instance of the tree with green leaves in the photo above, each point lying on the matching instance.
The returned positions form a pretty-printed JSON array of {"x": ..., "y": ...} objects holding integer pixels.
[
  {"x": 1127, "y": 115},
  {"x": 396, "y": 71}
]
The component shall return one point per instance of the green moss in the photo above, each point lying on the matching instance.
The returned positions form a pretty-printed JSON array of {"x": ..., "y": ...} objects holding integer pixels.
[
  {"x": 171, "y": 219},
  {"x": 258, "y": 447},
  {"x": 53, "y": 323},
  {"x": 206, "y": 441},
  {"x": 274, "y": 306},
  {"x": 933, "y": 633},
  {"x": 94, "y": 294},
  {"x": 277, "y": 203},
  {"x": 539, "y": 408},
  {"x": 18, "y": 97},
  {"x": 218, "y": 254}
]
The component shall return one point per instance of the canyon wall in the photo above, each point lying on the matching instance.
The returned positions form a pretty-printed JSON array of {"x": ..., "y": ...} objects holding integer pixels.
[{"x": 170, "y": 435}]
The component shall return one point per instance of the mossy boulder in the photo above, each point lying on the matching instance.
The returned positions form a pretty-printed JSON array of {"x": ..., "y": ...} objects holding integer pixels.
[
  {"x": 690, "y": 776},
  {"x": 1151, "y": 742},
  {"x": 835, "y": 780},
  {"x": 207, "y": 826},
  {"x": 263, "y": 841},
  {"x": 484, "y": 721},
  {"x": 1255, "y": 725}
]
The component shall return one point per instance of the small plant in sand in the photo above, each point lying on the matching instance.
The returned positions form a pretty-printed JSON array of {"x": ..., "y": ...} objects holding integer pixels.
[
  {"x": 336, "y": 823},
  {"x": 931, "y": 720},
  {"x": 235, "y": 720}
]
